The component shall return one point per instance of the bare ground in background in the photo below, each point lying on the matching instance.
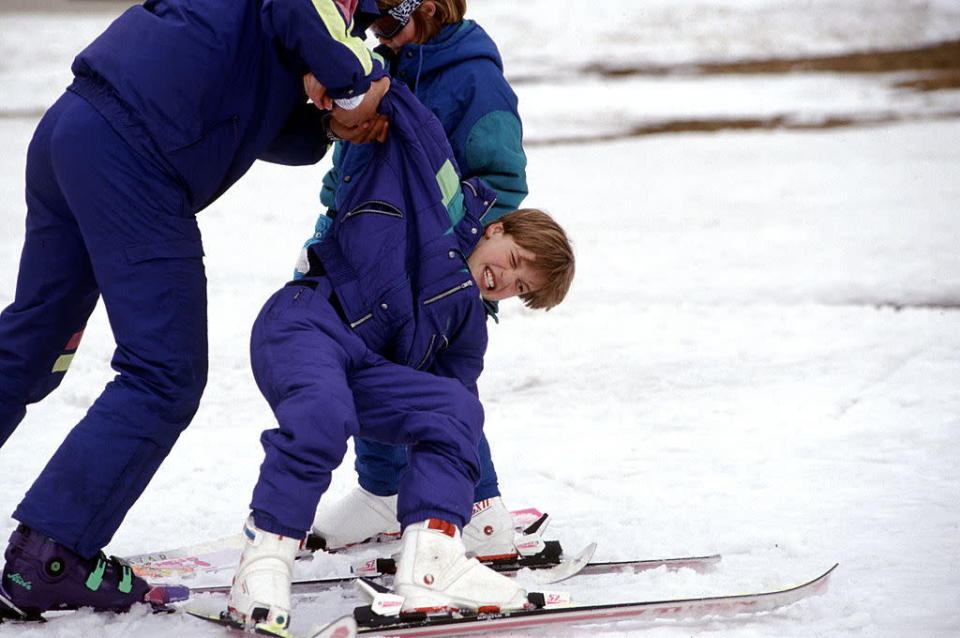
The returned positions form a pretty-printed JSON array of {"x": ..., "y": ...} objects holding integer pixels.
[
  {"x": 934, "y": 67},
  {"x": 940, "y": 61}
]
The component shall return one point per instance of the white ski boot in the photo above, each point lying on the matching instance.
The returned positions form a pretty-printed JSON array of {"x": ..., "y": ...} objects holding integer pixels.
[
  {"x": 357, "y": 517},
  {"x": 260, "y": 593},
  {"x": 434, "y": 574},
  {"x": 490, "y": 535}
]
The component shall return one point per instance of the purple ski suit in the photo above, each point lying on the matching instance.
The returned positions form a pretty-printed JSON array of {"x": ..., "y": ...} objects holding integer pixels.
[{"x": 341, "y": 352}]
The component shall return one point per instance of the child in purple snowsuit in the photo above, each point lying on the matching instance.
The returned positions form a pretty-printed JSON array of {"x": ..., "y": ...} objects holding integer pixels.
[{"x": 395, "y": 287}]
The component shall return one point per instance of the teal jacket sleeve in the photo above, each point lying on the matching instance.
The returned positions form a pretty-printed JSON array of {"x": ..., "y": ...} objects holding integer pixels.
[{"x": 494, "y": 153}]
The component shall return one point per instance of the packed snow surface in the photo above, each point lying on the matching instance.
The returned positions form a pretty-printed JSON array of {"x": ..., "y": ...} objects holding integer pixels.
[{"x": 760, "y": 356}]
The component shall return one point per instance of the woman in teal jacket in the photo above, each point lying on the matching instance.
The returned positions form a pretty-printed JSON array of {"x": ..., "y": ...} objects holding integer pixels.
[{"x": 455, "y": 70}]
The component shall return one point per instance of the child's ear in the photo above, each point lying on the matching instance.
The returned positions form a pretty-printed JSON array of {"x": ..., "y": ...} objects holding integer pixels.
[{"x": 496, "y": 228}]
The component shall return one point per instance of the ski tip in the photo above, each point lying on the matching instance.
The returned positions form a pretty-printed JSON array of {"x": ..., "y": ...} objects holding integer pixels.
[
  {"x": 826, "y": 575},
  {"x": 822, "y": 578},
  {"x": 586, "y": 554},
  {"x": 217, "y": 617},
  {"x": 581, "y": 559},
  {"x": 344, "y": 627},
  {"x": 566, "y": 569},
  {"x": 204, "y": 614}
]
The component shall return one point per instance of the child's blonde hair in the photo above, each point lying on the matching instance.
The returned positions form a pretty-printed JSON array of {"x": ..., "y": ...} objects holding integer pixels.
[
  {"x": 536, "y": 231},
  {"x": 426, "y": 26}
]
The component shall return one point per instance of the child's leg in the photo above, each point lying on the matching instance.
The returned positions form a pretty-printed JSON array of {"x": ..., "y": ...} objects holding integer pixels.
[
  {"x": 300, "y": 351},
  {"x": 325, "y": 386},
  {"x": 440, "y": 421}
]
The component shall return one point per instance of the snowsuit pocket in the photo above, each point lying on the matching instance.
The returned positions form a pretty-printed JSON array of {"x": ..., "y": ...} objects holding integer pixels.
[{"x": 172, "y": 249}]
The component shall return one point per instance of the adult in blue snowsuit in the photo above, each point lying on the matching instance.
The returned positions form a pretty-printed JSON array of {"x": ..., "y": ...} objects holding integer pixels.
[
  {"x": 168, "y": 108},
  {"x": 395, "y": 287},
  {"x": 454, "y": 68}
]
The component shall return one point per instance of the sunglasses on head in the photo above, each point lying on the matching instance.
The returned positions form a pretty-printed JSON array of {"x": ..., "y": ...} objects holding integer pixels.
[{"x": 392, "y": 21}]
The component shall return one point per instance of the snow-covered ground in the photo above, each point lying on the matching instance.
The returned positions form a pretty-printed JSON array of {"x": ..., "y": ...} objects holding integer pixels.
[{"x": 760, "y": 356}]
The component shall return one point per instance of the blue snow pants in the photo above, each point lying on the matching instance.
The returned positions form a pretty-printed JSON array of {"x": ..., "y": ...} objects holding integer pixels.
[
  {"x": 379, "y": 468},
  {"x": 324, "y": 386},
  {"x": 102, "y": 221}
]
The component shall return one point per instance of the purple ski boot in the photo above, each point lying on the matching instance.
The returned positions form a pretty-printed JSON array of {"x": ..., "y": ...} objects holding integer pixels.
[{"x": 41, "y": 575}]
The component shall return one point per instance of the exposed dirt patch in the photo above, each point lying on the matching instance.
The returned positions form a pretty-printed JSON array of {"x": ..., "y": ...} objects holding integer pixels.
[
  {"x": 734, "y": 124},
  {"x": 937, "y": 81},
  {"x": 939, "y": 65},
  {"x": 937, "y": 57},
  {"x": 935, "y": 67}
]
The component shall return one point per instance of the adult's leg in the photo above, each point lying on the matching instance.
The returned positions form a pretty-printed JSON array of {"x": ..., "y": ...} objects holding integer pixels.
[
  {"x": 56, "y": 291},
  {"x": 147, "y": 260}
]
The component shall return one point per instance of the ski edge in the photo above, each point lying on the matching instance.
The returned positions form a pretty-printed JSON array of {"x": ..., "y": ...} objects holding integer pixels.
[{"x": 730, "y": 605}]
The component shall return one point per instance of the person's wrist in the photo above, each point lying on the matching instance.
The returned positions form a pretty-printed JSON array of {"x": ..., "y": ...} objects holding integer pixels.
[{"x": 326, "y": 122}]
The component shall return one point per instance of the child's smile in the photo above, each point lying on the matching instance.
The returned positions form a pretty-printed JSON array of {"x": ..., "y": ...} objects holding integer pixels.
[{"x": 501, "y": 267}]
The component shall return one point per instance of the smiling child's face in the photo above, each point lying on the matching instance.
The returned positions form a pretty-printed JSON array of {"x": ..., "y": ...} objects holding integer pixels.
[{"x": 501, "y": 268}]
